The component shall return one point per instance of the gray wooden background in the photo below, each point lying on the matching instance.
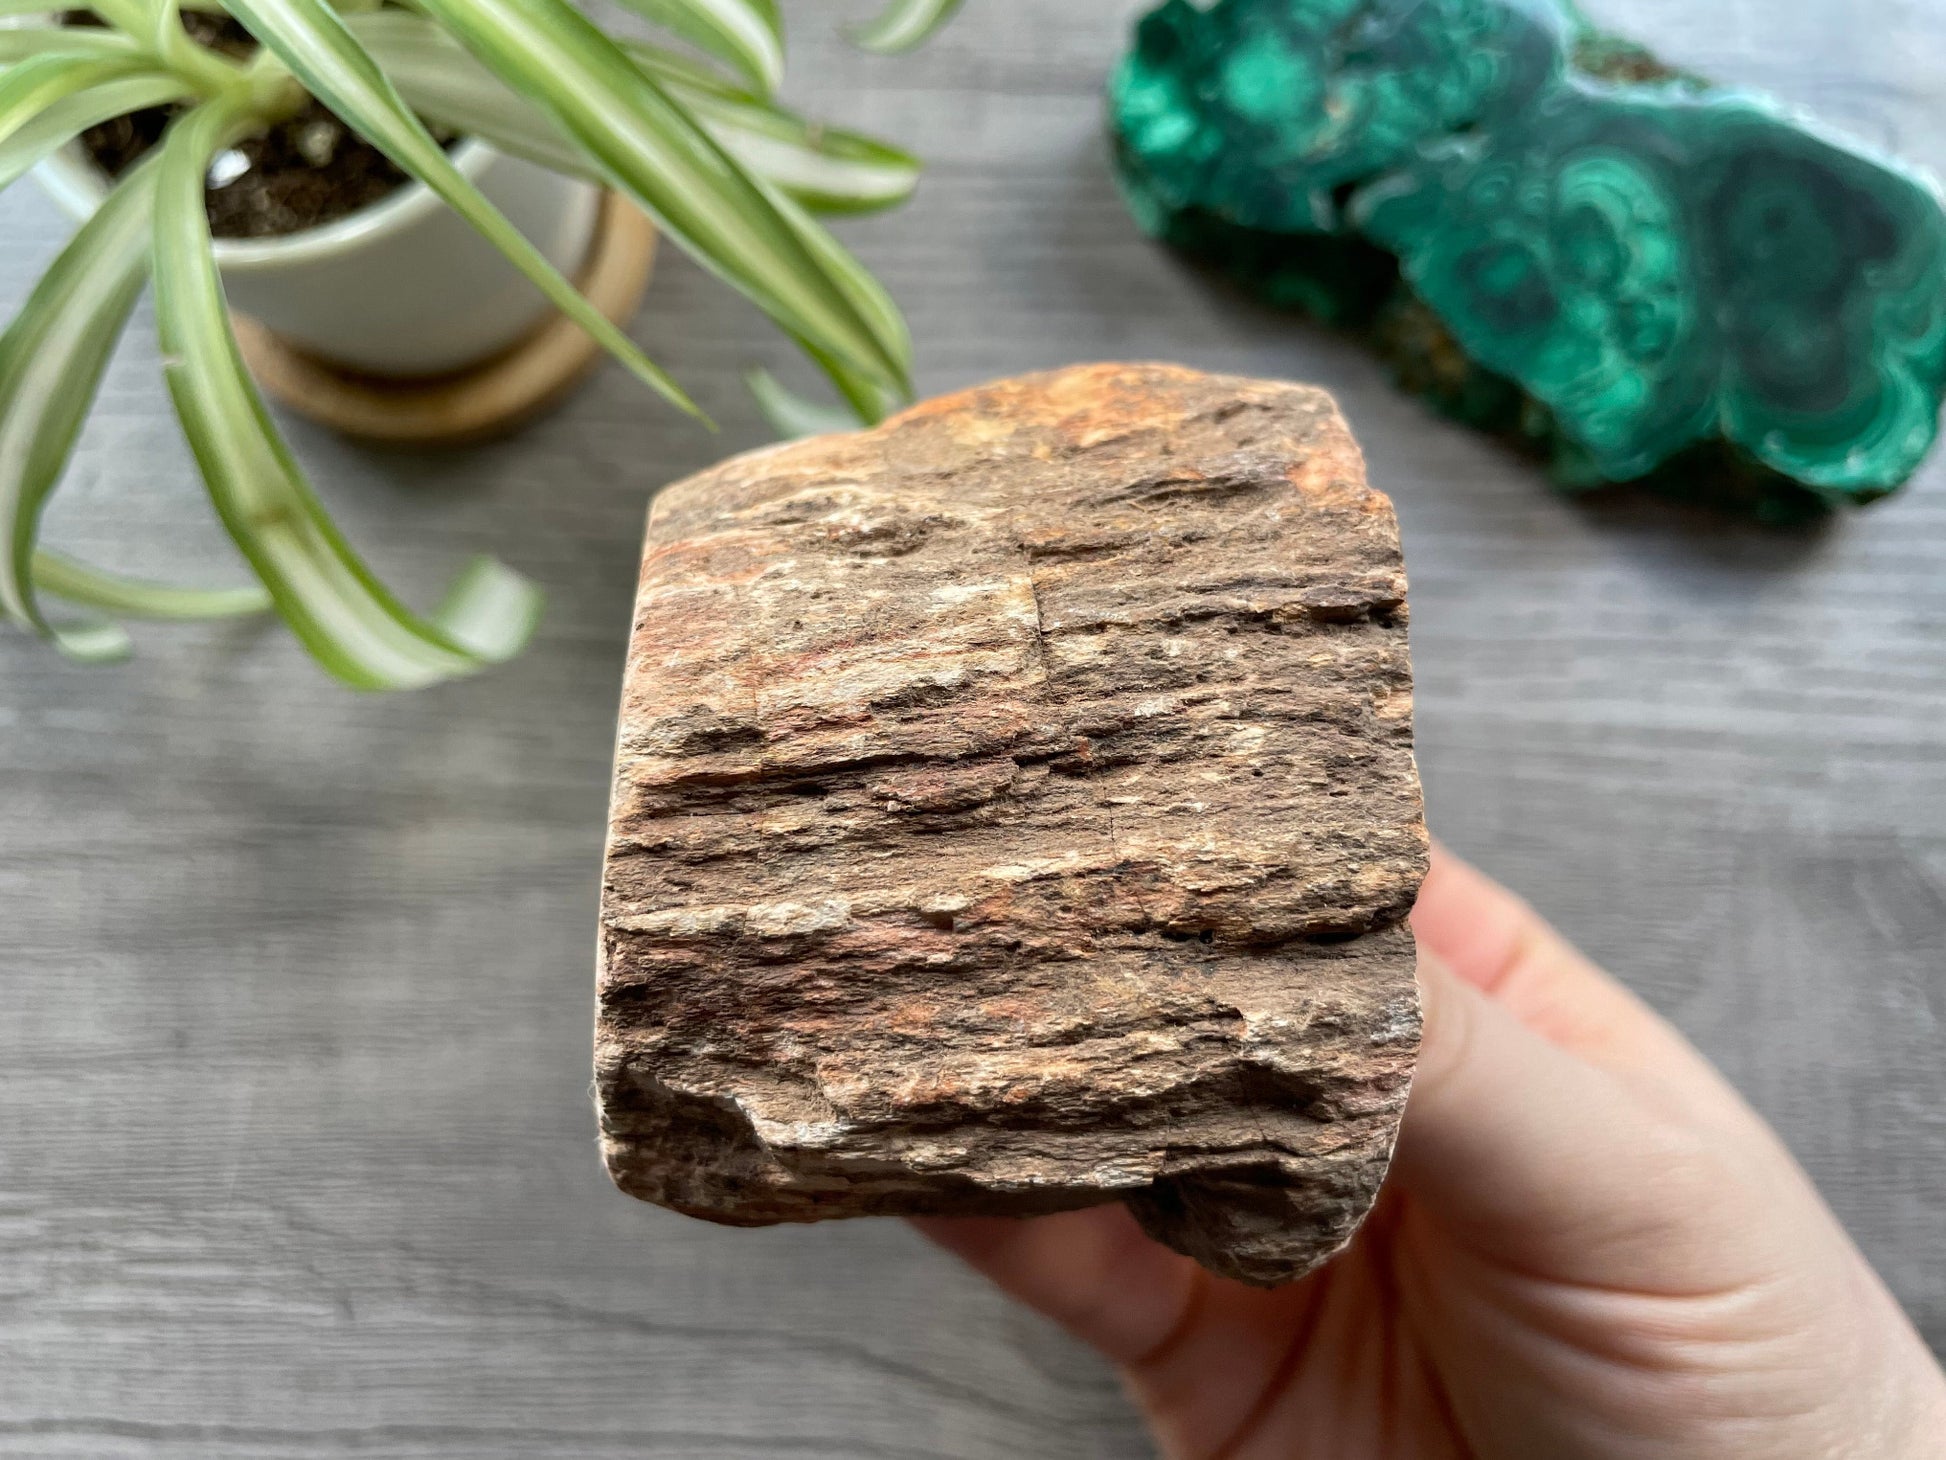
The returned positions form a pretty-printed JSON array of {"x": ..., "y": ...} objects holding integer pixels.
[{"x": 296, "y": 1156}]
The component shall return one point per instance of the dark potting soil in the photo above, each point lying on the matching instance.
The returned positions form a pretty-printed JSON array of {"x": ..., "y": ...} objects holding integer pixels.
[{"x": 304, "y": 171}]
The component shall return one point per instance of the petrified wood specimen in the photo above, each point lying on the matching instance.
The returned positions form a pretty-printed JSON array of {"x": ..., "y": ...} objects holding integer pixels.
[
  {"x": 1554, "y": 236},
  {"x": 1015, "y": 810}
]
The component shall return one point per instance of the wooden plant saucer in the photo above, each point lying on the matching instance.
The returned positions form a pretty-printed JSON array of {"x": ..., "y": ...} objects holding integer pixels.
[{"x": 486, "y": 400}]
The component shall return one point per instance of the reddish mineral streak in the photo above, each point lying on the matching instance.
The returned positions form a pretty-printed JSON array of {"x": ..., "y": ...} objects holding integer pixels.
[{"x": 1015, "y": 810}]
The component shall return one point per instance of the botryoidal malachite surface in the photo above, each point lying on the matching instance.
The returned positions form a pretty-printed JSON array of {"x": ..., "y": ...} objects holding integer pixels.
[{"x": 1555, "y": 237}]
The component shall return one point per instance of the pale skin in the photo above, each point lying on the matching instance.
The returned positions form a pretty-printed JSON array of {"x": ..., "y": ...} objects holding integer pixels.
[{"x": 1590, "y": 1248}]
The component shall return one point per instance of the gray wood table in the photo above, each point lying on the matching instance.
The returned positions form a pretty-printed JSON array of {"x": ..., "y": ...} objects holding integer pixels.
[{"x": 296, "y": 1157}]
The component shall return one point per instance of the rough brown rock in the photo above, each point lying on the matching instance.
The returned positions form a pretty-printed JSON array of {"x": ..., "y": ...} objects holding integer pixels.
[{"x": 1015, "y": 810}]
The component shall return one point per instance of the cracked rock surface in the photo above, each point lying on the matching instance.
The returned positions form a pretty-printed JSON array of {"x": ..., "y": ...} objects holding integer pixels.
[{"x": 1015, "y": 810}]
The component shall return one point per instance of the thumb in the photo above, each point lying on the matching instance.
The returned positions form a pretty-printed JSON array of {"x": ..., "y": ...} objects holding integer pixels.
[{"x": 1534, "y": 1156}]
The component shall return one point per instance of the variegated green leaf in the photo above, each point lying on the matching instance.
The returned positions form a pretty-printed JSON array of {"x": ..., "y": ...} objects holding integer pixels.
[
  {"x": 790, "y": 415},
  {"x": 827, "y": 169},
  {"x": 904, "y": 24},
  {"x": 90, "y": 640},
  {"x": 868, "y": 399},
  {"x": 748, "y": 34},
  {"x": 681, "y": 74},
  {"x": 439, "y": 79},
  {"x": 63, "y": 577},
  {"x": 20, "y": 42},
  {"x": 51, "y": 360},
  {"x": 309, "y": 38},
  {"x": 137, "y": 17},
  {"x": 331, "y": 601},
  {"x": 35, "y": 8},
  {"x": 866, "y": 294},
  {"x": 647, "y": 143},
  {"x": 490, "y": 610},
  {"x": 39, "y": 82},
  {"x": 58, "y": 123}
]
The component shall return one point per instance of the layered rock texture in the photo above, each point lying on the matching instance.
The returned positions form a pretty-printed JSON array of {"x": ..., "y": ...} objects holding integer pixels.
[
  {"x": 1015, "y": 810},
  {"x": 1641, "y": 276}
]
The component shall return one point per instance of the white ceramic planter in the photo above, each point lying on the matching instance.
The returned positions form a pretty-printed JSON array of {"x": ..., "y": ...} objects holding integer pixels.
[{"x": 402, "y": 288}]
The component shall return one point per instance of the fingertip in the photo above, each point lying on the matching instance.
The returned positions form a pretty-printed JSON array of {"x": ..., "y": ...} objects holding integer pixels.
[
  {"x": 1493, "y": 941},
  {"x": 1447, "y": 1015},
  {"x": 1546, "y": 1160},
  {"x": 1093, "y": 1271},
  {"x": 972, "y": 1239},
  {"x": 1496, "y": 1113},
  {"x": 1473, "y": 923}
]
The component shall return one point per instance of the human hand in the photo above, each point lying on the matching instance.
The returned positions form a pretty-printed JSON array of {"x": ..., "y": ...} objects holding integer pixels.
[{"x": 1589, "y": 1246}]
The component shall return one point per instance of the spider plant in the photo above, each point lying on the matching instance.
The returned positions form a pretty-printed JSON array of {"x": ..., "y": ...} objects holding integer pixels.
[{"x": 694, "y": 136}]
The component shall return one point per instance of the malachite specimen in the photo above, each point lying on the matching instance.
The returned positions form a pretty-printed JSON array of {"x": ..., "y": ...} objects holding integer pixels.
[{"x": 1555, "y": 237}]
